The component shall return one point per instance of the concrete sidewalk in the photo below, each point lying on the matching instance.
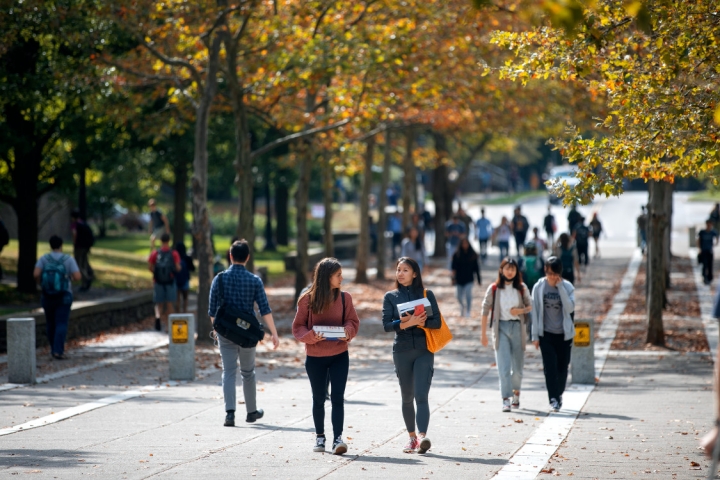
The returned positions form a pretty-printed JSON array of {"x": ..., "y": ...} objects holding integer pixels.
[{"x": 643, "y": 402}]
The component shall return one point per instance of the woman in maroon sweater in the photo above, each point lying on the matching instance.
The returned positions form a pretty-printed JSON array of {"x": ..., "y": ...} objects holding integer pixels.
[{"x": 324, "y": 304}]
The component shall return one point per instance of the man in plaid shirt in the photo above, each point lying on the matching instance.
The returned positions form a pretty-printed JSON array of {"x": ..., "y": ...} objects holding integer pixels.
[{"x": 241, "y": 289}]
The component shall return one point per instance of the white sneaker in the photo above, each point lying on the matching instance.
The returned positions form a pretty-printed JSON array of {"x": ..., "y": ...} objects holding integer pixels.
[
  {"x": 554, "y": 405},
  {"x": 339, "y": 446},
  {"x": 516, "y": 399},
  {"x": 425, "y": 445},
  {"x": 507, "y": 404},
  {"x": 319, "y": 444}
]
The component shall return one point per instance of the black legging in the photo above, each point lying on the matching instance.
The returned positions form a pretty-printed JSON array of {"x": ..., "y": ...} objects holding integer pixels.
[
  {"x": 318, "y": 370},
  {"x": 582, "y": 249},
  {"x": 414, "y": 369}
]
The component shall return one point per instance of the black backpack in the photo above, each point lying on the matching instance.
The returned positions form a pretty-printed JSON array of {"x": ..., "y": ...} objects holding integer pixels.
[
  {"x": 164, "y": 273},
  {"x": 4, "y": 235},
  {"x": 582, "y": 233},
  {"x": 567, "y": 259},
  {"x": 84, "y": 235}
]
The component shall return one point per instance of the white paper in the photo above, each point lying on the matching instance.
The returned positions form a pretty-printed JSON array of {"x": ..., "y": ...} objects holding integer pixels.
[{"x": 410, "y": 306}]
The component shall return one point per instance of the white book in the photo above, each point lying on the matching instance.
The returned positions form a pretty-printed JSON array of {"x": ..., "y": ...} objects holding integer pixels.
[
  {"x": 329, "y": 332},
  {"x": 410, "y": 306}
]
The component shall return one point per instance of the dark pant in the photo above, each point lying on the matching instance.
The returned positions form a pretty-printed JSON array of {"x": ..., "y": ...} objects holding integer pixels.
[
  {"x": 483, "y": 248},
  {"x": 569, "y": 275},
  {"x": 318, "y": 370},
  {"x": 81, "y": 257},
  {"x": 414, "y": 369},
  {"x": 520, "y": 241},
  {"x": 582, "y": 249},
  {"x": 706, "y": 258},
  {"x": 57, "y": 315},
  {"x": 556, "y": 358}
]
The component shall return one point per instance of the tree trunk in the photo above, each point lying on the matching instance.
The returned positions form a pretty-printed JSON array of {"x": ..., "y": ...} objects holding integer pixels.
[
  {"x": 327, "y": 182},
  {"x": 382, "y": 205},
  {"x": 25, "y": 181},
  {"x": 282, "y": 198},
  {"x": 201, "y": 216},
  {"x": 180, "y": 200},
  {"x": 364, "y": 241},
  {"x": 302, "y": 264},
  {"x": 269, "y": 241},
  {"x": 243, "y": 160},
  {"x": 655, "y": 262},
  {"x": 440, "y": 194},
  {"x": 669, "y": 188},
  {"x": 408, "y": 178},
  {"x": 82, "y": 194}
]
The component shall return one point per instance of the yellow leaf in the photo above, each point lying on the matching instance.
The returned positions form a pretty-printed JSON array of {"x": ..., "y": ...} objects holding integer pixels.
[{"x": 717, "y": 115}]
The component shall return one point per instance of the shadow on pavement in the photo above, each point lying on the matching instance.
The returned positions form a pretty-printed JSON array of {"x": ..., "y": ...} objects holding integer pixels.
[
  {"x": 484, "y": 461},
  {"x": 51, "y": 458}
]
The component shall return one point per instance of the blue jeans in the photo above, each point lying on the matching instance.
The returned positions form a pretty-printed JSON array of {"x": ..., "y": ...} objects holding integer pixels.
[
  {"x": 510, "y": 357},
  {"x": 504, "y": 248},
  {"x": 57, "y": 315},
  {"x": 464, "y": 296}
]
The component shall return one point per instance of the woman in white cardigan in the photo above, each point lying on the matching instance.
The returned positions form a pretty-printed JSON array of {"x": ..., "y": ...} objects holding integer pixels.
[{"x": 553, "y": 327}]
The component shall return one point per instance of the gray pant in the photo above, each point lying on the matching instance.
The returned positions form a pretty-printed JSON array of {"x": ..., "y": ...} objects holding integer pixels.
[
  {"x": 464, "y": 296},
  {"x": 230, "y": 352},
  {"x": 414, "y": 369},
  {"x": 510, "y": 357}
]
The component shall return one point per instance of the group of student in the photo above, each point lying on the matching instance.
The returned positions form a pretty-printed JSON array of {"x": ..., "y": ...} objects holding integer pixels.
[{"x": 509, "y": 304}]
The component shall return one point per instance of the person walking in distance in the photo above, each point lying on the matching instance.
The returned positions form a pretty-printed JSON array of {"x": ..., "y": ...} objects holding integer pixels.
[
  {"x": 596, "y": 228},
  {"x": 540, "y": 244},
  {"x": 164, "y": 265},
  {"x": 483, "y": 232},
  {"x": 4, "y": 240},
  {"x": 707, "y": 239},
  {"x": 412, "y": 246},
  {"x": 553, "y": 328},
  {"x": 573, "y": 218},
  {"x": 325, "y": 304},
  {"x": 83, "y": 240},
  {"x": 582, "y": 241},
  {"x": 550, "y": 226},
  {"x": 507, "y": 302},
  {"x": 241, "y": 290},
  {"x": 465, "y": 268},
  {"x": 520, "y": 227},
  {"x": 158, "y": 224},
  {"x": 568, "y": 255},
  {"x": 55, "y": 272},
  {"x": 502, "y": 236},
  {"x": 414, "y": 363},
  {"x": 182, "y": 278},
  {"x": 454, "y": 231},
  {"x": 642, "y": 228}
]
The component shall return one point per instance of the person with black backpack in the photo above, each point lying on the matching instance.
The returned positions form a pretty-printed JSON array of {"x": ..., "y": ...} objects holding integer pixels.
[
  {"x": 83, "y": 240},
  {"x": 55, "y": 272},
  {"x": 165, "y": 265},
  {"x": 581, "y": 233},
  {"x": 567, "y": 253}
]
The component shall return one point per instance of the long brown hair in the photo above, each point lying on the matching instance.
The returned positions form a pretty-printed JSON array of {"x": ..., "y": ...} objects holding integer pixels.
[
  {"x": 320, "y": 295},
  {"x": 516, "y": 281}
]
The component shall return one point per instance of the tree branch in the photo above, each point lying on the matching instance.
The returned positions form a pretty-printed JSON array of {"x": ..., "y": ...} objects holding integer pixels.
[
  {"x": 360, "y": 16},
  {"x": 296, "y": 136},
  {"x": 320, "y": 18},
  {"x": 174, "y": 62}
]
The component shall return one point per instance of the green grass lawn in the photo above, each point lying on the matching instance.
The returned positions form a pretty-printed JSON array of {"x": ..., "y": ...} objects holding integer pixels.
[
  {"x": 705, "y": 196},
  {"x": 515, "y": 198},
  {"x": 120, "y": 262}
]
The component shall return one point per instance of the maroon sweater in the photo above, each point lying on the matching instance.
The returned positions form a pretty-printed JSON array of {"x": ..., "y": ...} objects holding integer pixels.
[{"x": 332, "y": 317}]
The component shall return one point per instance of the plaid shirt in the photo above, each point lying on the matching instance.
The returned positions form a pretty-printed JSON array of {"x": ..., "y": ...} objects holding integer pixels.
[{"x": 241, "y": 289}]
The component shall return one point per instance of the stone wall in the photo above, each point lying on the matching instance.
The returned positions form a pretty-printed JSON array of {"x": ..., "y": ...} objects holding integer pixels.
[{"x": 88, "y": 318}]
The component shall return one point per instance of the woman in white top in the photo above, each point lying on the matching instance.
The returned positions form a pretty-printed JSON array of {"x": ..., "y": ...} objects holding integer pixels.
[
  {"x": 412, "y": 247},
  {"x": 502, "y": 235},
  {"x": 508, "y": 302}
]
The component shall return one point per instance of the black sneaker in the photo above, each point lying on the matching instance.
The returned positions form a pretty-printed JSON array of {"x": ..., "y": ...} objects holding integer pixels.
[
  {"x": 560, "y": 402},
  {"x": 319, "y": 444},
  {"x": 158, "y": 327},
  {"x": 230, "y": 419},
  {"x": 339, "y": 446},
  {"x": 256, "y": 415}
]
